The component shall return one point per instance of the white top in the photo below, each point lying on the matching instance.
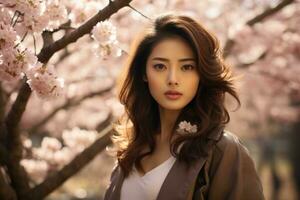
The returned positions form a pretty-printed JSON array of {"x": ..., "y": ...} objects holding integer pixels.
[{"x": 146, "y": 187}]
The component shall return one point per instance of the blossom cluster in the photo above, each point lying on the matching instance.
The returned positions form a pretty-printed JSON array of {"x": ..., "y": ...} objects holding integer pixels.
[
  {"x": 82, "y": 10},
  {"x": 37, "y": 169},
  {"x": 53, "y": 153},
  {"x": 186, "y": 127},
  {"x": 44, "y": 81},
  {"x": 105, "y": 35},
  {"x": 18, "y": 18},
  {"x": 78, "y": 139},
  {"x": 35, "y": 15}
]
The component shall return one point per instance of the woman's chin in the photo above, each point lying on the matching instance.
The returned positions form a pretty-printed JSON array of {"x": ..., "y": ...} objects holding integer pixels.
[{"x": 172, "y": 107}]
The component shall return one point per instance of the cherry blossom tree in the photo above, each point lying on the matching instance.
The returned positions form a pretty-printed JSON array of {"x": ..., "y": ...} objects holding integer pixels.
[
  {"x": 68, "y": 54},
  {"x": 25, "y": 69}
]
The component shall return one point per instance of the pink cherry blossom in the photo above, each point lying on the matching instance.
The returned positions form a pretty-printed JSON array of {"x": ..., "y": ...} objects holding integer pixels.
[
  {"x": 36, "y": 23},
  {"x": 27, "y": 143},
  {"x": 44, "y": 81},
  {"x": 51, "y": 144},
  {"x": 5, "y": 16},
  {"x": 108, "y": 49},
  {"x": 8, "y": 2},
  {"x": 185, "y": 126},
  {"x": 14, "y": 63},
  {"x": 37, "y": 169},
  {"x": 57, "y": 14},
  {"x": 104, "y": 32},
  {"x": 8, "y": 36},
  {"x": 81, "y": 10},
  {"x": 78, "y": 139},
  {"x": 63, "y": 156}
]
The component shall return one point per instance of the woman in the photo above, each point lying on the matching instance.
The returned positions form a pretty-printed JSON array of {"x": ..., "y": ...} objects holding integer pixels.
[{"x": 171, "y": 144}]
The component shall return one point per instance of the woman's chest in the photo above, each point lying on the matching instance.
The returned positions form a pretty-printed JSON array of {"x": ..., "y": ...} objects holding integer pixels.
[{"x": 157, "y": 158}]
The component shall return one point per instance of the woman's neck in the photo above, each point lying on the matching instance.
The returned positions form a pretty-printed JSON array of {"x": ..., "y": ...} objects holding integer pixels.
[{"x": 167, "y": 121}]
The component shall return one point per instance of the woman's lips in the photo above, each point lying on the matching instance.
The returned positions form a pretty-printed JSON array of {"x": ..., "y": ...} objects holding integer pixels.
[{"x": 173, "y": 95}]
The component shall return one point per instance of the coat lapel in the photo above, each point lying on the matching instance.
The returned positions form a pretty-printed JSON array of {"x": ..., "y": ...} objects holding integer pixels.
[
  {"x": 114, "y": 190},
  {"x": 177, "y": 184},
  {"x": 179, "y": 180}
]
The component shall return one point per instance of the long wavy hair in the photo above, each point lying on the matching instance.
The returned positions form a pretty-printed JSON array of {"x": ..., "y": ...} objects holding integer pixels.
[{"x": 136, "y": 129}]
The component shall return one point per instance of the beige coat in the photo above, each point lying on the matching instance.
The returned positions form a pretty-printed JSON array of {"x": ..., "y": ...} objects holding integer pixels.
[{"x": 227, "y": 172}]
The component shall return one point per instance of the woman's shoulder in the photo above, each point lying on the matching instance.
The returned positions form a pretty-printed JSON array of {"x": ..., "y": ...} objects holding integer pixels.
[
  {"x": 231, "y": 143},
  {"x": 231, "y": 162}
]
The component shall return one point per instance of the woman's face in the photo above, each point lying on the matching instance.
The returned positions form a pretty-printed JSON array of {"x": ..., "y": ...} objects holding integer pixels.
[{"x": 171, "y": 73}]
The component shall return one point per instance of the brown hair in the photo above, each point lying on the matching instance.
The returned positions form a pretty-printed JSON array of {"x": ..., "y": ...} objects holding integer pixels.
[{"x": 207, "y": 110}]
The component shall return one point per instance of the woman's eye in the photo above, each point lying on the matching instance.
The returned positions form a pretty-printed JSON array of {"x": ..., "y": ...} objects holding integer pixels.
[
  {"x": 188, "y": 67},
  {"x": 159, "y": 66}
]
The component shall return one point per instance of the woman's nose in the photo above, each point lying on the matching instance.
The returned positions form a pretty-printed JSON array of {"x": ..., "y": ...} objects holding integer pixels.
[{"x": 172, "y": 77}]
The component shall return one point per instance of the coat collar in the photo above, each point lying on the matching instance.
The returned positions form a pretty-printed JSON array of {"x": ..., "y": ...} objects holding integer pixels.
[
  {"x": 114, "y": 190},
  {"x": 216, "y": 134},
  {"x": 178, "y": 182},
  {"x": 180, "y": 179}
]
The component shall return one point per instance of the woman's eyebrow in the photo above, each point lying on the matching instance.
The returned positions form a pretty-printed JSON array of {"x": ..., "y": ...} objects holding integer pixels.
[
  {"x": 187, "y": 59},
  {"x": 167, "y": 60},
  {"x": 161, "y": 59}
]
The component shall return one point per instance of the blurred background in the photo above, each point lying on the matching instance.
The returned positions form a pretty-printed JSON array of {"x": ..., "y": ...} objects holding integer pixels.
[{"x": 261, "y": 42}]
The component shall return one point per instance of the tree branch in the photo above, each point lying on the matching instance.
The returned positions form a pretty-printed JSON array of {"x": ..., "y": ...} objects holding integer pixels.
[
  {"x": 47, "y": 51},
  {"x": 64, "y": 26},
  {"x": 47, "y": 38},
  {"x": 55, "y": 180},
  {"x": 63, "y": 56},
  {"x": 2, "y": 114},
  {"x": 266, "y": 13},
  {"x": 17, "y": 173},
  {"x": 19, "y": 179},
  {"x": 66, "y": 105},
  {"x": 86, "y": 28}
]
